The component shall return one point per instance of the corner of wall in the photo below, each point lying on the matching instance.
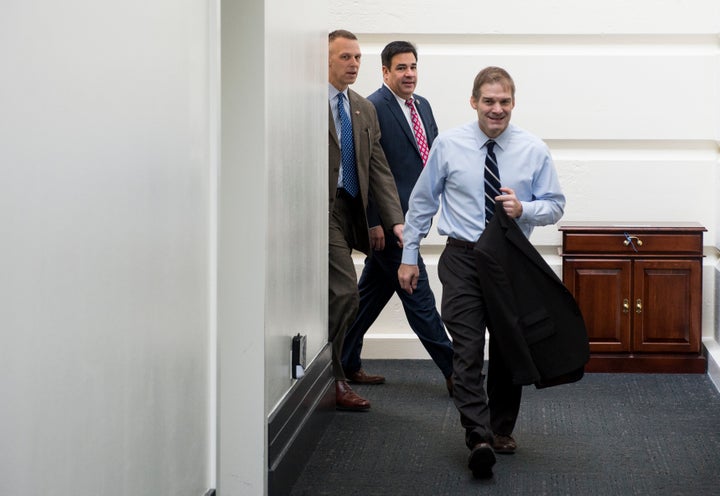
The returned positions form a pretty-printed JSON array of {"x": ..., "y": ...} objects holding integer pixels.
[{"x": 297, "y": 424}]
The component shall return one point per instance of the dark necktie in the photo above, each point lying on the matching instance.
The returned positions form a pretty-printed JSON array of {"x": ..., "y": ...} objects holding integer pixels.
[
  {"x": 347, "y": 150},
  {"x": 492, "y": 181},
  {"x": 418, "y": 131}
]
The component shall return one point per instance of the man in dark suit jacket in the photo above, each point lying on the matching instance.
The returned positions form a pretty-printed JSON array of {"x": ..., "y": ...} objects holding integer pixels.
[
  {"x": 406, "y": 153},
  {"x": 357, "y": 169}
]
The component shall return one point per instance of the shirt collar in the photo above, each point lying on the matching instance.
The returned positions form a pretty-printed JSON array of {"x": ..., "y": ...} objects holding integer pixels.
[
  {"x": 399, "y": 99},
  {"x": 333, "y": 92},
  {"x": 501, "y": 140}
]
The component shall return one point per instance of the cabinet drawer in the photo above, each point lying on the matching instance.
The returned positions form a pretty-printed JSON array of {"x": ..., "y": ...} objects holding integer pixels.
[{"x": 640, "y": 243}]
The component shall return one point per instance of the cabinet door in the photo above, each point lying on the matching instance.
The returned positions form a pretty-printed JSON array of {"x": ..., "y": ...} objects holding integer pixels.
[
  {"x": 667, "y": 306},
  {"x": 602, "y": 289}
]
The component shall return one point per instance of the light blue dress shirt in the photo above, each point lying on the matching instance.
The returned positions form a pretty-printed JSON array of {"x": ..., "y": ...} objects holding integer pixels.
[{"x": 453, "y": 181}]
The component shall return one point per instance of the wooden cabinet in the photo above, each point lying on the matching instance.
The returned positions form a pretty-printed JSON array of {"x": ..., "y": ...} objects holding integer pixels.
[{"x": 639, "y": 287}]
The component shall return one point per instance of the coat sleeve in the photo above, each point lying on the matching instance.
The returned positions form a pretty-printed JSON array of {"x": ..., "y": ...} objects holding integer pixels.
[{"x": 382, "y": 187}]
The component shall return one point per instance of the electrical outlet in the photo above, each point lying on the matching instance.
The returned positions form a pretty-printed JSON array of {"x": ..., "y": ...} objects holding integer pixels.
[{"x": 299, "y": 346}]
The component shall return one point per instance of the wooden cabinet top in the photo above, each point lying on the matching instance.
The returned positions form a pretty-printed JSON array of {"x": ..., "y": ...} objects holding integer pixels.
[
  {"x": 654, "y": 239},
  {"x": 605, "y": 226}
]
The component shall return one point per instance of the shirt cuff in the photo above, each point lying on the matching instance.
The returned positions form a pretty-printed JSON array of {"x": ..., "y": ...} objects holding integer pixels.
[{"x": 409, "y": 256}]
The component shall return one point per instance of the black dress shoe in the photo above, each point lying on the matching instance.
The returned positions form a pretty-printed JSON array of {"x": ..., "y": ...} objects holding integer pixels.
[
  {"x": 347, "y": 399},
  {"x": 481, "y": 461},
  {"x": 505, "y": 445}
]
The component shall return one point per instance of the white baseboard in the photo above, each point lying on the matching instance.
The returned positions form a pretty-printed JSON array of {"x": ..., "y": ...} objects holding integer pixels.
[
  {"x": 399, "y": 346},
  {"x": 393, "y": 346},
  {"x": 713, "y": 358}
]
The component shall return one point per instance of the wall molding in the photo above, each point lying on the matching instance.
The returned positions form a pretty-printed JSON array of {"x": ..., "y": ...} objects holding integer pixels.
[{"x": 297, "y": 424}]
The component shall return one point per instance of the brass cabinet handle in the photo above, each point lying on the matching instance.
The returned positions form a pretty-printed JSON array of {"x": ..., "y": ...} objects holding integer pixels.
[
  {"x": 626, "y": 305},
  {"x": 638, "y": 306},
  {"x": 628, "y": 240}
]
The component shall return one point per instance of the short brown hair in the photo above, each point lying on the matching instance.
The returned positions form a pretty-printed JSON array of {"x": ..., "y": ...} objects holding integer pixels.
[
  {"x": 493, "y": 75},
  {"x": 341, "y": 33}
]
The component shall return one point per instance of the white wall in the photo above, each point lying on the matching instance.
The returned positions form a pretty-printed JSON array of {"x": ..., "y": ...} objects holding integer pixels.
[
  {"x": 297, "y": 184},
  {"x": 109, "y": 138},
  {"x": 109, "y": 152},
  {"x": 626, "y": 95},
  {"x": 104, "y": 260},
  {"x": 272, "y": 264}
]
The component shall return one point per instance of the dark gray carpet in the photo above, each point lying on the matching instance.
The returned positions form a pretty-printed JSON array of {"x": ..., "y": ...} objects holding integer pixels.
[{"x": 609, "y": 434}]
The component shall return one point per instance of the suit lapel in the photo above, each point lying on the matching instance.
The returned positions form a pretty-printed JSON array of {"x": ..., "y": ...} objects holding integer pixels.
[
  {"x": 358, "y": 124},
  {"x": 361, "y": 139},
  {"x": 399, "y": 115},
  {"x": 423, "y": 110}
]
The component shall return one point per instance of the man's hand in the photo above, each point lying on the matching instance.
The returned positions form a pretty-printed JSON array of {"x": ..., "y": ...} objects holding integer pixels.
[
  {"x": 408, "y": 276},
  {"x": 377, "y": 238},
  {"x": 397, "y": 230},
  {"x": 511, "y": 205}
]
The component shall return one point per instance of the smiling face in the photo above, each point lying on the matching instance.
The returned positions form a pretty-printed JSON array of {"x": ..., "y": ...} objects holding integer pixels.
[
  {"x": 343, "y": 62},
  {"x": 494, "y": 107},
  {"x": 401, "y": 77}
]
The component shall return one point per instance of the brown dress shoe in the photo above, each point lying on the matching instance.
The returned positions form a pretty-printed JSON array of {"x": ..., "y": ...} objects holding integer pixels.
[
  {"x": 481, "y": 461},
  {"x": 505, "y": 445},
  {"x": 449, "y": 385},
  {"x": 360, "y": 377},
  {"x": 347, "y": 399}
]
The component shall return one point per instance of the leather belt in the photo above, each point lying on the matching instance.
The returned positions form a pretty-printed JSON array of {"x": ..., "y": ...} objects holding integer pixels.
[{"x": 459, "y": 243}]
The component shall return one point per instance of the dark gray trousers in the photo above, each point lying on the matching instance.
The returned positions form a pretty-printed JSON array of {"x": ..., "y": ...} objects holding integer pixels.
[{"x": 463, "y": 312}]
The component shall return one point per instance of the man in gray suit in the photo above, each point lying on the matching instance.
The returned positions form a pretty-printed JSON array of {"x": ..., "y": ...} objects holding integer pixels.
[{"x": 358, "y": 169}]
